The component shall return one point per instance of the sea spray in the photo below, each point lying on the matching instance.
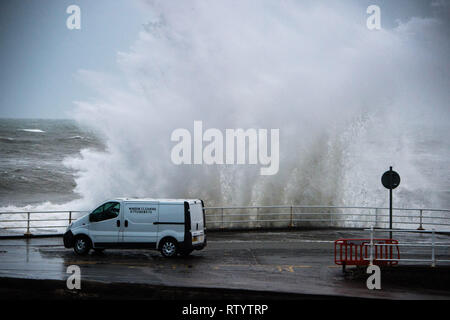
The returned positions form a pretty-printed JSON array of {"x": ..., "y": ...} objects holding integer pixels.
[{"x": 348, "y": 101}]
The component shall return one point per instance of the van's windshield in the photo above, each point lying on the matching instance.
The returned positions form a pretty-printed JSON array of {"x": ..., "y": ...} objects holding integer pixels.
[{"x": 106, "y": 211}]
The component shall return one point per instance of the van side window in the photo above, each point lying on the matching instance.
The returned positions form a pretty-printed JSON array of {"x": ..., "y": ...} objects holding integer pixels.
[{"x": 109, "y": 210}]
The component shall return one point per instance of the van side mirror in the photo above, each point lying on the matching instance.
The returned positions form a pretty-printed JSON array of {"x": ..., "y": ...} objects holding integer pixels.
[{"x": 91, "y": 217}]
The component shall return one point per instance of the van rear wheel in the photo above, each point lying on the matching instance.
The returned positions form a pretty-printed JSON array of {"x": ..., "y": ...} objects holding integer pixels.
[{"x": 169, "y": 248}]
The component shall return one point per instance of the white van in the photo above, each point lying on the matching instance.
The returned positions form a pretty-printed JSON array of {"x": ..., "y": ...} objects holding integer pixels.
[{"x": 170, "y": 226}]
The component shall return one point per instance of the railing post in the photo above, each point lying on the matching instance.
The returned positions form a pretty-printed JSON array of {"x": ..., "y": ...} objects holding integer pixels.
[
  {"x": 70, "y": 217},
  {"x": 371, "y": 245},
  {"x": 28, "y": 233},
  {"x": 222, "y": 219},
  {"x": 421, "y": 218},
  {"x": 291, "y": 221},
  {"x": 258, "y": 224},
  {"x": 433, "y": 256},
  {"x": 376, "y": 218}
]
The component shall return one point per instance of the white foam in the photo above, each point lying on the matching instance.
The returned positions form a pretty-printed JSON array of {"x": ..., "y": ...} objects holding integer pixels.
[
  {"x": 32, "y": 130},
  {"x": 344, "y": 98}
]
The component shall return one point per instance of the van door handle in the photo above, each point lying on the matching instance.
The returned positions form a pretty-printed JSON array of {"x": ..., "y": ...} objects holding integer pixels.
[
  {"x": 118, "y": 223},
  {"x": 126, "y": 223}
]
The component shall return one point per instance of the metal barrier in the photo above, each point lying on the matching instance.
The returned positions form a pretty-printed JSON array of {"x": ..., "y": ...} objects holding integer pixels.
[
  {"x": 249, "y": 217},
  {"x": 357, "y": 252}
]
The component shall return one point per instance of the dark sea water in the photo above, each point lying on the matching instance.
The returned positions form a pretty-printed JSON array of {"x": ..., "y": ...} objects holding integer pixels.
[{"x": 31, "y": 160}]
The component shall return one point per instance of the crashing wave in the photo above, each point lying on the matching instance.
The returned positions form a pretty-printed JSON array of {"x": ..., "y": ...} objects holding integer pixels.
[{"x": 32, "y": 130}]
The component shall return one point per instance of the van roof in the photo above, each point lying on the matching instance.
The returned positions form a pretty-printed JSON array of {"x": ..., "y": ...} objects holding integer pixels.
[{"x": 173, "y": 201}]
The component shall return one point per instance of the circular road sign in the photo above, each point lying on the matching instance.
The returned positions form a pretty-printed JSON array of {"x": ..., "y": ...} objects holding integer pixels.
[{"x": 390, "y": 179}]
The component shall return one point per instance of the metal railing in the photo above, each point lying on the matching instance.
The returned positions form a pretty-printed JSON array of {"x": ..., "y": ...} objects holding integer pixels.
[
  {"x": 326, "y": 216},
  {"x": 432, "y": 244},
  {"x": 28, "y": 221},
  {"x": 253, "y": 217}
]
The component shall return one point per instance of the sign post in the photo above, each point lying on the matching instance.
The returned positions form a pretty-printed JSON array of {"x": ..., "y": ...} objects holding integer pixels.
[{"x": 390, "y": 180}]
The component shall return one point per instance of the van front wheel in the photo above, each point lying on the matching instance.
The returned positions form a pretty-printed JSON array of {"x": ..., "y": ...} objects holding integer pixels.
[
  {"x": 169, "y": 248},
  {"x": 82, "y": 246}
]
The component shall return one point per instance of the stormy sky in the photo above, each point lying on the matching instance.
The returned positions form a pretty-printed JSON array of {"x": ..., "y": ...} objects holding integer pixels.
[{"x": 40, "y": 58}]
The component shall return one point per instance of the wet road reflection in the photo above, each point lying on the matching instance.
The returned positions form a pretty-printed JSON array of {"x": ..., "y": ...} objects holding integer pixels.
[{"x": 295, "y": 261}]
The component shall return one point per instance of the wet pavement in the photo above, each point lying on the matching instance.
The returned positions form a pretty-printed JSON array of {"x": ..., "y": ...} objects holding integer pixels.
[{"x": 297, "y": 261}]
